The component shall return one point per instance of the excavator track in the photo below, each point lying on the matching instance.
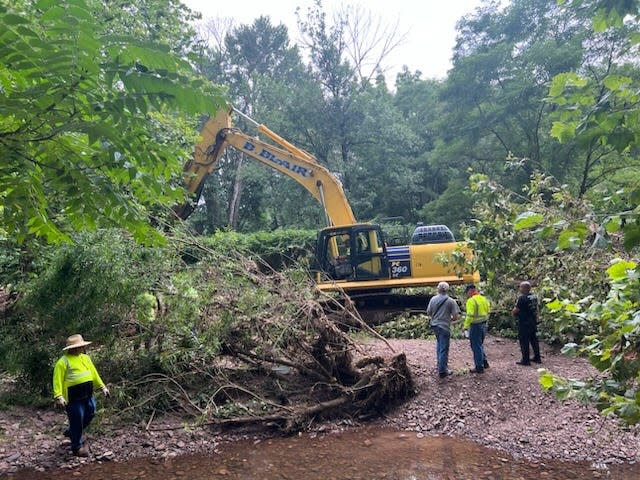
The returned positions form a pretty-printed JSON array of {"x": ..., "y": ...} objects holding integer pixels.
[{"x": 378, "y": 307}]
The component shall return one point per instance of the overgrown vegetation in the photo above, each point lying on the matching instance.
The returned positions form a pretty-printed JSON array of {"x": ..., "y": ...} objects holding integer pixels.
[
  {"x": 545, "y": 235},
  {"x": 567, "y": 248},
  {"x": 89, "y": 286},
  {"x": 614, "y": 348},
  {"x": 104, "y": 282},
  {"x": 215, "y": 338},
  {"x": 602, "y": 113},
  {"x": 278, "y": 249}
]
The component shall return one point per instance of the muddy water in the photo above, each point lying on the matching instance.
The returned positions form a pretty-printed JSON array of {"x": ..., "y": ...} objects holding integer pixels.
[{"x": 365, "y": 454}]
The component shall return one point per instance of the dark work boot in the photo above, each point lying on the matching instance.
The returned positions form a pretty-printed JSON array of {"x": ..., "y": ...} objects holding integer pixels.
[
  {"x": 537, "y": 360},
  {"x": 523, "y": 362},
  {"x": 81, "y": 452},
  {"x": 486, "y": 363}
]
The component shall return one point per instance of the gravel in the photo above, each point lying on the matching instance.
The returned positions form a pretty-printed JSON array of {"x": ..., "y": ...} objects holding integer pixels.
[{"x": 505, "y": 407}]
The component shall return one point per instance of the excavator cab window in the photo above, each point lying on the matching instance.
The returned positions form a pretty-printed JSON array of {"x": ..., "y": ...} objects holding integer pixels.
[{"x": 352, "y": 253}]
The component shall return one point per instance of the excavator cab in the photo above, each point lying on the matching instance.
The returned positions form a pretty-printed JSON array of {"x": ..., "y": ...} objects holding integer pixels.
[{"x": 351, "y": 253}]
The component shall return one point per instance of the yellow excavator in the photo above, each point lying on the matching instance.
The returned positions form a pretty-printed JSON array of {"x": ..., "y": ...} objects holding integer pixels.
[{"x": 351, "y": 257}]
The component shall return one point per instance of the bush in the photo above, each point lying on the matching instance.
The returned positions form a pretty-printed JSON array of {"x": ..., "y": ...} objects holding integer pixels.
[
  {"x": 10, "y": 265},
  {"x": 614, "y": 350},
  {"x": 275, "y": 250},
  {"x": 89, "y": 286}
]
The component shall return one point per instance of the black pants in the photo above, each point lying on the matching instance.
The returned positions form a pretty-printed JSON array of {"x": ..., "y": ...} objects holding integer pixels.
[{"x": 527, "y": 335}]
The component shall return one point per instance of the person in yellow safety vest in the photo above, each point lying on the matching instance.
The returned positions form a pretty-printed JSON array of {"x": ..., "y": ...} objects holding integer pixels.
[
  {"x": 74, "y": 378},
  {"x": 475, "y": 325}
]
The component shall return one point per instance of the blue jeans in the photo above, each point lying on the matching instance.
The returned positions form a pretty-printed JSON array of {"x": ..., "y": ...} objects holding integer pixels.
[
  {"x": 477, "y": 332},
  {"x": 80, "y": 413},
  {"x": 442, "y": 347}
]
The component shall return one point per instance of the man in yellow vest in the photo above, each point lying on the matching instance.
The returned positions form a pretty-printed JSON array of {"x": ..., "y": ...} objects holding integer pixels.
[
  {"x": 475, "y": 322},
  {"x": 74, "y": 378}
]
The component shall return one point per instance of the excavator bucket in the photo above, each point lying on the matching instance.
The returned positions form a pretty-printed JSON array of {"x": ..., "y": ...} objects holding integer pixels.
[{"x": 205, "y": 156}]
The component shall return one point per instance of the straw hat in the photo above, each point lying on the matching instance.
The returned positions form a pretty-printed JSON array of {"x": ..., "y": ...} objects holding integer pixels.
[{"x": 75, "y": 341}]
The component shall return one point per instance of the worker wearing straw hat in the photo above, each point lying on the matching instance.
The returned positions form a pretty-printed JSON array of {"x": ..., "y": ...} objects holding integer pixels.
[{"x": 74, "y": 378}]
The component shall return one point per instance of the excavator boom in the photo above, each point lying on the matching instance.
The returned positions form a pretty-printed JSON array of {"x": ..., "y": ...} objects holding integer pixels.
[{"x": 218, "y": 133}]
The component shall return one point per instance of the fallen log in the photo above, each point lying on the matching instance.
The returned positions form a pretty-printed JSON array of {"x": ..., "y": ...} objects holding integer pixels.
[{"x": 380, "y": 387}]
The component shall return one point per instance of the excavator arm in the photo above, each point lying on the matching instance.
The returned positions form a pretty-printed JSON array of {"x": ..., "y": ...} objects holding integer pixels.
[{"x": 218, "y": 133}]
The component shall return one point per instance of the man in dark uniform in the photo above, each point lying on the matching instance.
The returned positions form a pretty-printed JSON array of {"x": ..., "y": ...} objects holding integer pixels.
[{"x": 526, "y": 310}]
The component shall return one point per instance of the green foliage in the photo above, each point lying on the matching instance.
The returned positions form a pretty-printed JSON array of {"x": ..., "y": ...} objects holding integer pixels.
[
  {"x": 544, "y": 235},
  {"x": 564, "y": 247},
  {"x": 348, "y": 120},
  {"x": 93, "y": 281},
  {"x": 603, "y": 111},
  {"x": 494, "y": 94},
  {"x": 407, "y": 153},
  {"x": 614, "y": 349},
  {"x": 277, "y": 249},
  {"x": 87, "y": 286},
  {"x": 452, "y": 207},
  {"x": 597, "y": 109},
  {"x": 597, "y": 114},
  {"x": 218, "y": 305},
  {"x": 79, "y": 145},
  {"x": 414, "y": 326},
  {"x": 146, "y": 309},
  {"x": 605, "y": 13},
  {"x": 262, "y": 70},
  {"x": 10, "y": 264},
  {"x": 167, "y": 22}
]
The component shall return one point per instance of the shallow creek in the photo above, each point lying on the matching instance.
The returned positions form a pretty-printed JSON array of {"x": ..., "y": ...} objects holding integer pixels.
[{"x": 364, "y": 454}]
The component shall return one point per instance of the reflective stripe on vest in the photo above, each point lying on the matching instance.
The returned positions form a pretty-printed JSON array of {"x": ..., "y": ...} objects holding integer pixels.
[{"x": 75, "y": 378}]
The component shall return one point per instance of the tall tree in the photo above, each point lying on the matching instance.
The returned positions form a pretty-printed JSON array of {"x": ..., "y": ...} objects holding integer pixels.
[
  {"x": 258, "y": 64},
  {"x": 502, "y": 63},
  {"x": 436, "y": 193},
  {"x": 346, "y": 57},
  {"x": 167, "y": 22},
  {"x": 592, "y": 106}
]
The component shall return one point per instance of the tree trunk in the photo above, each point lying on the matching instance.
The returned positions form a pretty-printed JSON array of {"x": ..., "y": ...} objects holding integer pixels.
[
  {"x": 586, "y": 170},
  {"x": 236, "y": 196}
]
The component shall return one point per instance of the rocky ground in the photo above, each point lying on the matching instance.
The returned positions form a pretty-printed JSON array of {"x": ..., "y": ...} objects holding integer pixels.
[{"x": 503, "y": 408}]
